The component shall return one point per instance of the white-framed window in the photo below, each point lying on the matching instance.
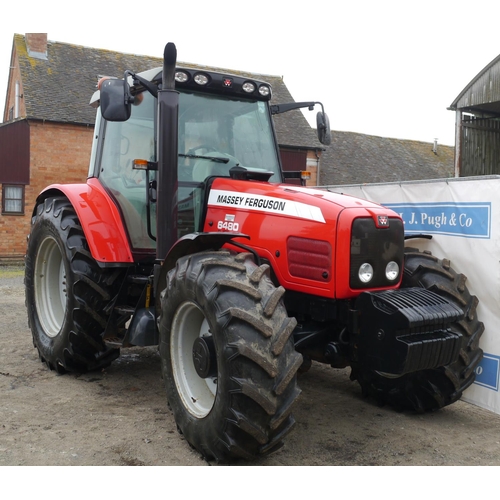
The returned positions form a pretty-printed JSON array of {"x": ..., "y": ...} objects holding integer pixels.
[{"x": 12, "y": 199}]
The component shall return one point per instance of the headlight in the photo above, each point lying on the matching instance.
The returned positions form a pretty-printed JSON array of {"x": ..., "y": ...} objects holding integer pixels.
[
  {"x": 181, "y": 77},
  {"x": 392, "y": 271},
  {"x": 248, "y": 87},
  {"x": 264, "y": 90},
  {"x": 365, "y": 272},
  {"x": 201, "y": 79}
]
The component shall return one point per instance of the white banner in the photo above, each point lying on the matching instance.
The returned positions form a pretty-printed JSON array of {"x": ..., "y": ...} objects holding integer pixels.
[{"x": 463, "y": 217}]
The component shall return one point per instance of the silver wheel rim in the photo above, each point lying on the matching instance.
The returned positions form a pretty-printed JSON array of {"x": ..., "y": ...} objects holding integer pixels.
[
  {"x": 197, "y": 394},
  {"x": 50, "y": 287}
]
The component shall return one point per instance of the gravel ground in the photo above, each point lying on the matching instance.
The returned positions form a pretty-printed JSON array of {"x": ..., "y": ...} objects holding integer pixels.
[{"x": 119, "y": 416}]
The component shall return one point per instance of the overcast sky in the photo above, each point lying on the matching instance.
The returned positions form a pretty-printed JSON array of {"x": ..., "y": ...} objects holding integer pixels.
[{"x": 386, "y": 68}]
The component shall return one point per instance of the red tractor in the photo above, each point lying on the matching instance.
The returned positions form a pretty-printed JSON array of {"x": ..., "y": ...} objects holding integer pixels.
[{"x": 186, "y": 236}]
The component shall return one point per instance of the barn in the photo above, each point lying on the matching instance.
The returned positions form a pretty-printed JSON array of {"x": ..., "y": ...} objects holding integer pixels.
[{"x": 477, "y": 134}]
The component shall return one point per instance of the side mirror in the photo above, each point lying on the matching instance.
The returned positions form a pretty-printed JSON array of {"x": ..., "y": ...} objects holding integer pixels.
[
  {"x": 115, "y": 100},
  {"x": 323, "y": 128}
]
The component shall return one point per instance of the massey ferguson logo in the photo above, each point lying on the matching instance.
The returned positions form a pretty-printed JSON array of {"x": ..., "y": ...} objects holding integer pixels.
[{"x": 383, "y": 220}]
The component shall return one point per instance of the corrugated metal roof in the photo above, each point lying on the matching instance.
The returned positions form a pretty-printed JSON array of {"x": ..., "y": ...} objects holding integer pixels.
[{"x": 483, "y": 92}]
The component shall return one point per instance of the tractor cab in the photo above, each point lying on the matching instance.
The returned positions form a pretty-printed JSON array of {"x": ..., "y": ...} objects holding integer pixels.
[{"x": 224, "y": 121}]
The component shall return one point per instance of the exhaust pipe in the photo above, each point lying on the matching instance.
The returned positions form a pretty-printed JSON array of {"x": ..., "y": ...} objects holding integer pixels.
[{"x": 168, "y": 115}]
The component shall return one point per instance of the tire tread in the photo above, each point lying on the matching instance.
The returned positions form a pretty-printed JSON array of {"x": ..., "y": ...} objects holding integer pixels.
[{"x": 247, "y": 313}]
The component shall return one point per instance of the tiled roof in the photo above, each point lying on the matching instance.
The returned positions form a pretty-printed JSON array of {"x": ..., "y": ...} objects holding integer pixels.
[
  {"x": 354, "y": 158},
  {"x": 59, "y": 88}
]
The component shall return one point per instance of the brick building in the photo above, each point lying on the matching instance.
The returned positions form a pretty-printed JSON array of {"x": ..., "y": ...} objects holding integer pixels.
[{"x": 48, "y": 124}]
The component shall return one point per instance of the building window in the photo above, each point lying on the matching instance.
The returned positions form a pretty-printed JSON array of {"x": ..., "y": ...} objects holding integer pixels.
[{"x": 12, "y": 200}]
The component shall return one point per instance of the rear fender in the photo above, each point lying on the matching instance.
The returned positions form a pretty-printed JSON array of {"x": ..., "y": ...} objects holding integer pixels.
[{"x": 100, "y": 219}]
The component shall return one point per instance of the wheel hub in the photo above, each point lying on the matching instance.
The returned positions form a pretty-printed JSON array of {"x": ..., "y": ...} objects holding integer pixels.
[
  {"x": 50, "y": 286},
  {"x": 193, "y": 359},
  {"x": 204, "y": 358}
]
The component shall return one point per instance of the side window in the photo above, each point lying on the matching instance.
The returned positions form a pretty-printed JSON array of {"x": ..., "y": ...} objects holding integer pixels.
[
  {"x": 123, "y": 143},
  {"x": 127, "y": 141},
  {"x": 12, "y": 200}
]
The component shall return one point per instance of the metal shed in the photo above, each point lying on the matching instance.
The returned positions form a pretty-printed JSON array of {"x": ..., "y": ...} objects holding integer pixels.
[{"x": 477, "y": 135}]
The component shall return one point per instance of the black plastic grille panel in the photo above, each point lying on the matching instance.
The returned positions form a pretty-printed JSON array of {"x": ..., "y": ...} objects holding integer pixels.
[{"x": 375, "y": 246}]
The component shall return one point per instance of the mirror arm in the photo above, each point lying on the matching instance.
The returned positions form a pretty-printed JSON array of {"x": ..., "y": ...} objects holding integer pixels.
[
  {"x": 276, "y": 109},
  {"x": 150, "y": 87}
]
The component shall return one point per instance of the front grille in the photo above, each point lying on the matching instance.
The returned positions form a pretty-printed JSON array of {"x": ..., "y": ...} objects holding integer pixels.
[{"x": 377, "y": 247}]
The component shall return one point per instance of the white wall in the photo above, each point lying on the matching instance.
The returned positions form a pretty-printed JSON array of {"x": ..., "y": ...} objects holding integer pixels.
[{"x": 463, "y": 217}]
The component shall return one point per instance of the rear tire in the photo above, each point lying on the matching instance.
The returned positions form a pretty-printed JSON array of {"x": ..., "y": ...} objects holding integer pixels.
[
  {"x": 240, "y": 406},
  {"x": 432, "y": 389},
  {"x": 66, "y": 292}
]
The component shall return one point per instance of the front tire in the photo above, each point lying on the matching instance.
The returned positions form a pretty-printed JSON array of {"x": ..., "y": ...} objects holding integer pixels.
[
  {"x": 232, "y": 397},
  {"x": 66, "y": 292},
  {"x": 432, "y": 389}
]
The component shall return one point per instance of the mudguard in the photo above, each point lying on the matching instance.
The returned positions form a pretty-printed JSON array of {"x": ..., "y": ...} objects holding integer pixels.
[
  {"x": 100, "y": 219},
  {"x": 188, "y": 245}
]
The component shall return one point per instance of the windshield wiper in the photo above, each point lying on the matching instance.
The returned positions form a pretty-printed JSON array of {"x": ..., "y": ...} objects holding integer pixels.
[{"x": 216, "y": 159}]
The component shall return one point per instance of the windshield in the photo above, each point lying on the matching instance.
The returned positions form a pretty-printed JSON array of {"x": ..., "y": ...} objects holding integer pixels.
[{"x": 215, "y": 134}]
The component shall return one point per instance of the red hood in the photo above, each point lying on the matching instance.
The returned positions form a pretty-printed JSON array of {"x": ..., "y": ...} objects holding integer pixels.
[
  {"x": 286, "y": 200},
  {"x": 342, "y": 200}
]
